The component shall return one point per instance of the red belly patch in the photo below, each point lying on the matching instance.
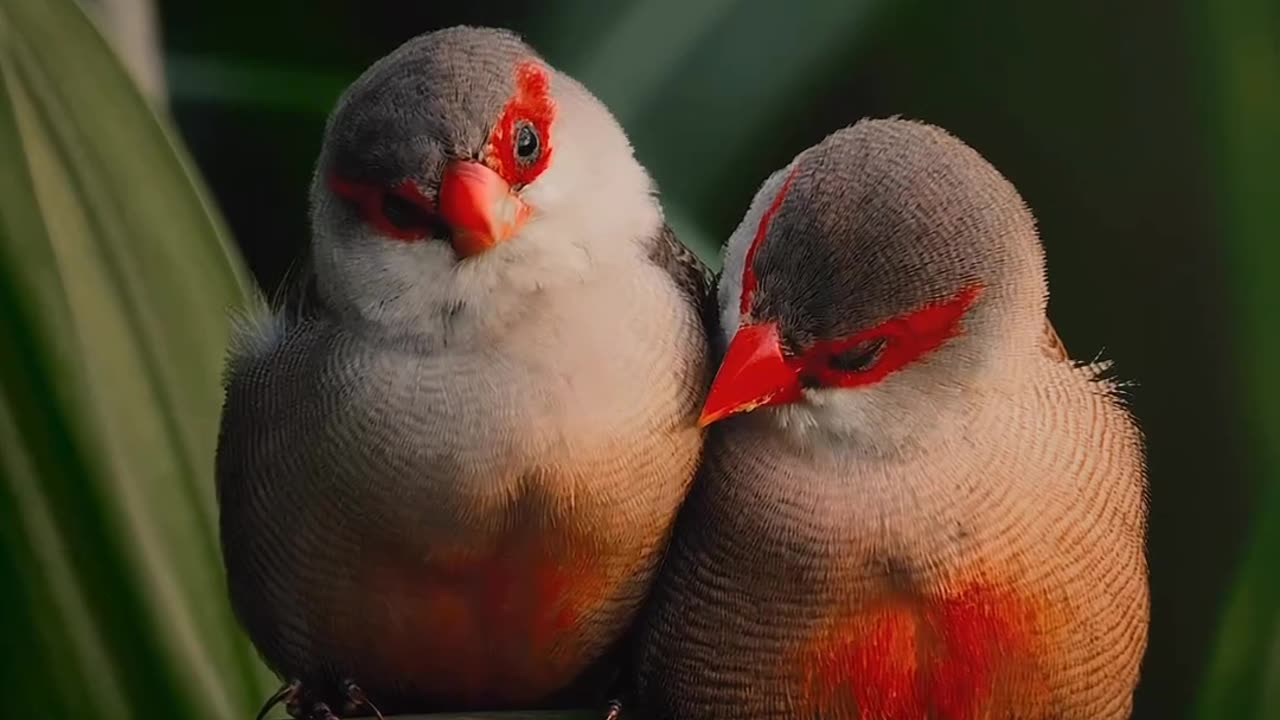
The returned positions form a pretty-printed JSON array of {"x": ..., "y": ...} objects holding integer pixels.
[
  {"x": 502, "y": 628},
  {"x": 908, "y": 658}
]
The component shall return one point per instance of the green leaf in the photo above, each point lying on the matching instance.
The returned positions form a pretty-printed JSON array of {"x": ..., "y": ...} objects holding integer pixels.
[
  {"x": 116, "y": 279},
  {"x": 1240, "y": 78}
]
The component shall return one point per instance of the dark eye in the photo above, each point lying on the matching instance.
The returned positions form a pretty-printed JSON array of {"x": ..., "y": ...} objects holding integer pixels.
[
  {"x": 858, "y": 358},
  {"x": 528, "y": 146},
  {"x": 402, "y": 214}
]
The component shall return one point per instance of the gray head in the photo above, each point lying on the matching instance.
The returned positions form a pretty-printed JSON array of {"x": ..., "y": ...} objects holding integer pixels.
[
  {"x": 884, "y": 271},
  {"x": 461, "y": 173}
]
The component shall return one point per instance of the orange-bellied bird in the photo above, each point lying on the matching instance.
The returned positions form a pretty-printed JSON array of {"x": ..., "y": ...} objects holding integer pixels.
[
  {"x": 914, "y": 504},
  {"x": 447, "y": 482}
]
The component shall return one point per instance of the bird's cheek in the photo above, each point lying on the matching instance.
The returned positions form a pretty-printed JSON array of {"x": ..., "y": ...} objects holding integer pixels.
[
  {"x": 753, "y": 374},
  {"x": 479, "y": 206}
]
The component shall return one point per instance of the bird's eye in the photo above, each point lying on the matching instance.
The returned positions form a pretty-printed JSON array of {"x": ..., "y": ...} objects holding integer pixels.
[
  {"x": 858, "y": 358},
  {"x": 528, "y": 146},
  {"x": 402, "y": 214}
]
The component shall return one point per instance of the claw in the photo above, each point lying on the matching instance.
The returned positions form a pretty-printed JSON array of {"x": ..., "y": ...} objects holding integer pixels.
[
  {"x": 301, "y": 703},
  {"x": 286, "y": 694},
  {"x": 358, "y": 699}
]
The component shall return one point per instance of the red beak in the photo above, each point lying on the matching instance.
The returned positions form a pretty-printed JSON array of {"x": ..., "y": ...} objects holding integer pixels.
[
  {"x": 753, "y": 374},
  {"x": 479, "y": 207}
]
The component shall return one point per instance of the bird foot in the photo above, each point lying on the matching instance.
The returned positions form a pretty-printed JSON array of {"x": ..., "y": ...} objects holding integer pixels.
[
  {"x": 614, "y": 711},
  {"x": 303, "y": 704}
]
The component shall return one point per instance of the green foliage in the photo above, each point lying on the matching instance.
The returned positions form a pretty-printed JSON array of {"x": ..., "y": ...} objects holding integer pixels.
[
  {"x": 1240, "y": 79},
  {"x": 115, "y": 284},
  {"x": 681, "y": 94}
]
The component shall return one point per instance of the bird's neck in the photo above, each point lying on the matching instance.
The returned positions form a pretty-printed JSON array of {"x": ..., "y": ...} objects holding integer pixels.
[{"x": 486, "y": 312}]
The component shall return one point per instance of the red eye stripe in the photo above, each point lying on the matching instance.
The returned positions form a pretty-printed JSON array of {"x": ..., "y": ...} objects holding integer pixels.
[
  {"x": 907, "y": 339},
  {"x": 748, "y": 269},
  {"x": 532, "y": 103},
  {"x": 369, "y": 200}
]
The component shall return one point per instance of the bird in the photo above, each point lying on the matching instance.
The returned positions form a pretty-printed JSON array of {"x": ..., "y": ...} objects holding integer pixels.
[
  {"x": 913, "y": 504},
  {"x": 447, "y": 469}
]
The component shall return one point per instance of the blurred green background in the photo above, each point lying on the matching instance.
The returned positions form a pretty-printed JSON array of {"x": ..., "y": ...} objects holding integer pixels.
[{"x": 1145, "y": 136}]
